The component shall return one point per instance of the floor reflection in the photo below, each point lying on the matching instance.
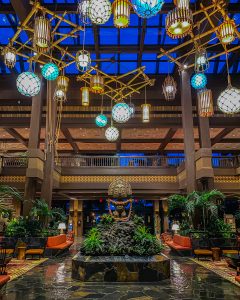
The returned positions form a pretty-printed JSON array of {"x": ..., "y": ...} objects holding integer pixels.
[{"x": 52, "y": 280}]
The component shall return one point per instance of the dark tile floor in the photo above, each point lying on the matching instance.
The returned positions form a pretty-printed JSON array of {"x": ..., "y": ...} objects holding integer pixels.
[{"x": 52, "y": 280}]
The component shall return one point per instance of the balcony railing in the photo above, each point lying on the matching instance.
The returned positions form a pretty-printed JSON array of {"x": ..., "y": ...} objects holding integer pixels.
[
  {"x": 120, "y": 161},
  {"x": 14, "y": 162},
  {"x": 229, "y": 162}
]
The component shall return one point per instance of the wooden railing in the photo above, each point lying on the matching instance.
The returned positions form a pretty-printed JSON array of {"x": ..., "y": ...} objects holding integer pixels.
[
  {"x": 14, "y": 162},
  {"x": 120, "y": 161},
  {"x": 228, "y": 162}
]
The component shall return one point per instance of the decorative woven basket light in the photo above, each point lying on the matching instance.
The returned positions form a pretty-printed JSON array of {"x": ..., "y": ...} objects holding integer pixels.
[
  {"x": 227, "y": 31},
  {"x": 199, "y": 81},
  {"x": 201, "y": 60},
  {"x": 229, "y": 100},
  {"x": 10, "y": 56},
  {"x": 101, "y": 120},
  {"x": 28, "y": 84},
  {"x": 112, "y": 134},
  {"x": 83, "y": 60},
  {"x": 83, "y": 10},
  {"x": 121, "y": 112},
  {"x": 100, "y": 11},
  {"x": 121, "y": 13},
  {"x": 42, "y": 34},
  {"x": 50, "y": 71},
  {"x": 147, "y": 8},
  {"x": 62, "y": 83},
  {"x": 85, "y": 96},
  {"x": 169, "y": 88},
  {"x": 97, "y": 84},
  {"x": 60, "y": 95},
  {"x": 205, "y": 103},
  {"x": 146, "y": 113},
  {"x": 179, "y": 22}
]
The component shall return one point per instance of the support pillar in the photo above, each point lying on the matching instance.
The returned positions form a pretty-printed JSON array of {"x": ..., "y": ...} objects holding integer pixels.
[
  {"x": 187, "y": 122},
  {"x": 204, "y": 170},
  {"x": 51, "y": 119},
  {"x": 76, "y": 217},
  {"x": 165, "y": 215},
  {"x": 33, "y": 146},
  {"x": 157, "y": 229}
]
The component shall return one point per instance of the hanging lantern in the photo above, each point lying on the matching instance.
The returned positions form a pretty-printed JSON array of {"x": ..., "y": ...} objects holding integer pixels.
[
  {"x": 42, "y": 34},
  {"x": 227, "y": 31},
  {"x": 121, "y": 112},
  {"x": 100, "y": 11},
  {"x": 62, "y": 83},
  {"x": 10, "y": 56},
  {"x": 112, "y": 134},
  {"x": 121, "y": 13},
  {"x": 147, "y": 8},
  {"x": 83, "y": 10},
  {"x": 60, "y": 95},
  {"x": 50, "y": 71},
  {"x": 146, "y": 113},
  {"x": 83, "y": 60},
  {"x": 85, "y": 96},
  {"x": 169, "y": 88},
  {"x": 229, "y": 100},
  {"x": 205, "y": 103},
  {"x": 28, "y": 84},
  {"x": 199, "y": 81},
  {"x": 179, "y": 22},
  {"x": 97, "y": 84},
  {"x": 182, "y": 3},
  {"x": 101, "y": 120},
  {"x": 201, "y": 60},
  {"x": 132, "y": 109}
]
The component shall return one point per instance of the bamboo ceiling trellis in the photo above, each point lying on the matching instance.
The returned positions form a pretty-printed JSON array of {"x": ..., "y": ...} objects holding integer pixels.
[{"x": 204, "y": 17}]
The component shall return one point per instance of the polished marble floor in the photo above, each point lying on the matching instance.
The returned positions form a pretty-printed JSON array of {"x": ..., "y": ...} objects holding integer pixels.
[{"x": 52, "y": 280}]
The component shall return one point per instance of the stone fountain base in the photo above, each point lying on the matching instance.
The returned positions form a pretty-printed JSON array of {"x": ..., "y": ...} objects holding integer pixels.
[{"x": 120, "y": 268}]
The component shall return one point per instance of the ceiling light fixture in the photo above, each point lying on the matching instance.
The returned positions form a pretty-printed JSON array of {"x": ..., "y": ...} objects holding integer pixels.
[
  {"x": 100, "y": 11},
  {"x": 121, "y": 13}
]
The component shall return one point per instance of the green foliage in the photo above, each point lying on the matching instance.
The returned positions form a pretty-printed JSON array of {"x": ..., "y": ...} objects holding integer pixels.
[
  {"x": 93, "y": 243},
  {"x": 176, "y": 205},
  {"x": 107, "y": 219},
  {"x": 5, "y": 193},
  {"x": 23, "y": 227},
  {"x": 185, "y": 228},
  {"x": 57, "y": 216},
  {"x": 40, "y": 209},
  {"x": 120, "y": 238},
  {"x": 218, "y": 228}
]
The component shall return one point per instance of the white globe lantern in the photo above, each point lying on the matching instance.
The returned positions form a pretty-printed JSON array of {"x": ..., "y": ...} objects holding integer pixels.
[
  {"x": 83, "y": 60},
  {"x": 229, "y": 100},
  {"x": 28, "y": 84},
  {"x": 121, "y": 112},
  {"x": 100, "y": 11},
  {"x": 112, "y": 134}
]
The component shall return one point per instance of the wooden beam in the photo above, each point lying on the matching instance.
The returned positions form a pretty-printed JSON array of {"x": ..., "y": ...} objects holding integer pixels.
[
  {"x": 21, "y": 8},
  {"x": 142, "y": 39},
  {"x": 218, "y": 138},
  {"x": 17, "y": 136},
  {"x": 167, "y": 138},
  {"x": 70, "y": 140}
]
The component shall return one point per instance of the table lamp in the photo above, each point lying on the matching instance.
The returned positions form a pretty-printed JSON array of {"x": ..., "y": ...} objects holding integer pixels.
[{"x": 62, "y": 226}]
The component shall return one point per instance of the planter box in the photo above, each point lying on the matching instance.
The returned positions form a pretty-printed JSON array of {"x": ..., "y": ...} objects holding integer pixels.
[{"x": 120, "y": 268}]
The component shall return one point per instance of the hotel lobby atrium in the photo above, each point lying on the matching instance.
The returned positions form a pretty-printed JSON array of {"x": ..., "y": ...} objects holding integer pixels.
[{"x": 119, "y": 149}]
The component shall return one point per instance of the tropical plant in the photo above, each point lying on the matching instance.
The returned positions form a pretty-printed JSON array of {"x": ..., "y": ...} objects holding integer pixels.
[
  {"x": 206, "y": 203},
  {"x": 23, "y": 227},
  {"x": 177, "y": 207},
  {"x": 57, "y": 215},
  {"x": 7, "y": 192},
  {"x": 218, "y": 228},
  {"x": 41, "y": 211},
  {"x": 107, "y": 219},
  {"x": 93, "y": 243}
]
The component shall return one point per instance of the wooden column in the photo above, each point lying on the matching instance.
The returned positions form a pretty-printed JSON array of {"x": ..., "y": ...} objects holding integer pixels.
[
  {"x": 51, "y": 119},
  {"x": 76, "y": 217},
  {"x": 165, "y": 215},
  {"x": 187, "y": 122},
  {"x": 33, "y": 144},
  {"x": 157, "y": 229}
]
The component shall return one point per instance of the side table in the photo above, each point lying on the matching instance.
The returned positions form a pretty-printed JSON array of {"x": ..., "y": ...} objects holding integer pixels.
[
  {"x": 21, "y": 253},
  {"x": 216, "y": 253}
]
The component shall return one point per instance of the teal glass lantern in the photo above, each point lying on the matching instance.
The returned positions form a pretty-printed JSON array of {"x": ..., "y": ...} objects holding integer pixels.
[
  {"x": 28, "y": 84},
  {"x": 199, "y": 81},
  {"x": 101, "y": 120},
  {"x": 147, "y": 8},
  {"x": 50, "y": 71}
]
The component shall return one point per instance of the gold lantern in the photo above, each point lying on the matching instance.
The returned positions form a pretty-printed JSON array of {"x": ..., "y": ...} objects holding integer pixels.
[
  {"x": 42, "y": 34},
  {"x": 227, "y": 31},
  {"x": 121, "y": 13},
  {"x": 9, "y": 54},
  {"x": 146, "y": 113},
  {"x": 62, "y": 83},
  {"x": 97, "y": 84},
  {"x": 60, "y": 95},
  {"x": 182, "y": 3},
  {"x": 205, "y": 103},
  {"x": 85, "y": 96},
  {"x": 179, "y": 22},
  {"x": 169, "y": 88}
]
